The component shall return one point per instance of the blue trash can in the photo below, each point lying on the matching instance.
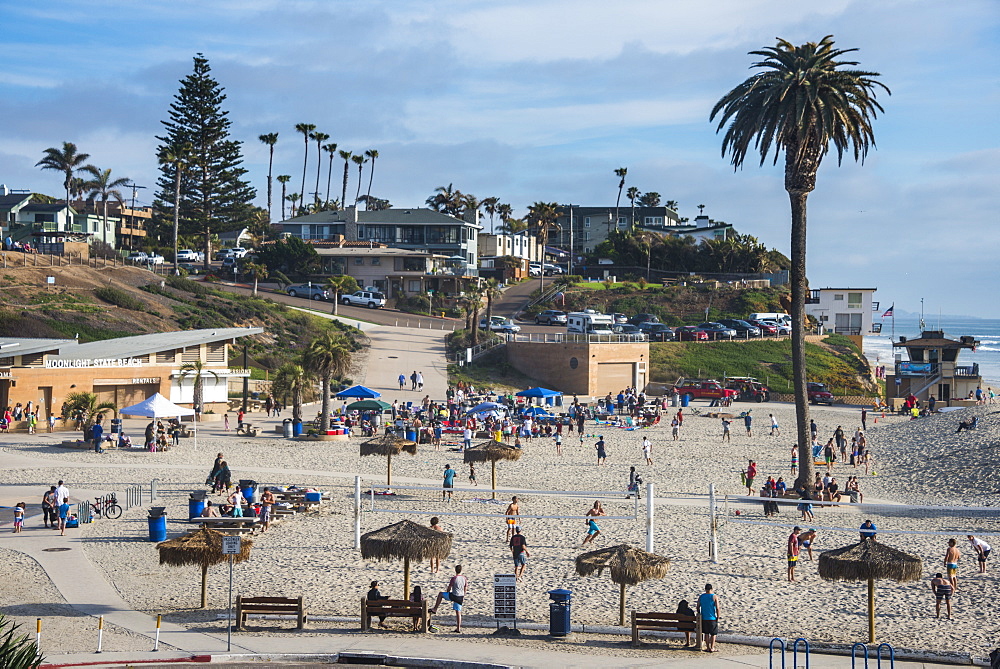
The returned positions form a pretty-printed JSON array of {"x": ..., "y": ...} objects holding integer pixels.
[
  {"x": 685, "y": 400},
  {"x": 411, "y": 435},
  {"x": 247, "y": 489},
  {"x": 157, "y": 526},
  {"x": 297, "y": 428},
  {"x": 559, "y": 610},
  {"x": 195, "y": 506}
]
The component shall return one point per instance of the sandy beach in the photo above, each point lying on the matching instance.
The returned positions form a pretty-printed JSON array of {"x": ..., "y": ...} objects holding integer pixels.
[{"x": 917, "y": 462}]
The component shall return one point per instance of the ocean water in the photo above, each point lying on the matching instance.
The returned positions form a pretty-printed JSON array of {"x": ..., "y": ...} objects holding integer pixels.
[{"x": 879, "y": 351}]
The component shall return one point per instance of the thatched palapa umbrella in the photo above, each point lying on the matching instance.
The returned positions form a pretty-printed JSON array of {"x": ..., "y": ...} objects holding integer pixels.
[
  {"x": 868, "y": 560},
  {"x": 388, "y": 445},
  {"x": 406, "y": 540},
  {"x": 202, "y": 547},
  {"x": 491, "y": 451},
  {"x": 628, "y": 566}
]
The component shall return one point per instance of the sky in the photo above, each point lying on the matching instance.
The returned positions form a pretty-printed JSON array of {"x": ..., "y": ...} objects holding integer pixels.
[{"x": 543, "y": 100}]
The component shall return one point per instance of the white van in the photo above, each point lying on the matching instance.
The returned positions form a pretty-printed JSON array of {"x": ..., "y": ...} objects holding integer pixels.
[
  {"x": 783, "y": 319},
  {"x": 589, "y": 323}
]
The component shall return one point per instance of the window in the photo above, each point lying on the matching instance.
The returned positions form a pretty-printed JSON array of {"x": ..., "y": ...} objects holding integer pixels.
[
  {"x": 586, "y": 236},
  {"x": 165, "y": 356},
  {"x": 376, "y": 261},
  {"x": 653, "y": 220},
  {"x": 359, "y": 261},
  {"x": 586, "y": 249},
  {"x": 586, "y": 221},
  {"x": 413, "y": 265},
  {"x": 413, "y": 286},
  {"x": 216, "y": 352},
  {"x": 854, "y": 300},
  {"x": 191, "y": 354},
  {"x": 838, "y": 297}
]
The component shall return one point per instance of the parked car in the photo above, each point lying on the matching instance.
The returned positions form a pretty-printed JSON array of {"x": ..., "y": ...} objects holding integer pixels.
[
  {"x": 494, "y": 324},
  {"x": 309, "y": 291},
  {"x": 364, "y": 298},
  {"x": 551, "y": 317},
  {"x": 643, "y": 318},
  {"x": 690, "y": 333},
  {"x": 230, "y": 263},
  {"x": 749, "y": 389},
  {"x": 551, "y": 269},
  {"x": 656, "y": 331},
  {"x": 781, "y": 327},
  {"x": 222, "y": 254},
  {"x": 705, "y": 390},
  {"x": 507, "y": 327},
  {"x": 629, "y": 332},
  {"x": 620, "y": 318},
  {"x": 188, "y": 255},
  {"x": 743, "y": 329},
  {"x": 190, "y": 269},
  {"x": 717, "y": 330},
  {"x": 765, "y": 327},
  {"x": 155, "y": 259},
  {"x": 138, "y": 257},
  {"x": 534, "y": 270},
  {"x": 818, "y": 394}
]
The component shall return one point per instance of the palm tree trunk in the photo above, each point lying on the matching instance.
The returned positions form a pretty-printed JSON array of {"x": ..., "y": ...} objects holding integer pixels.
[
  {"x": 319, "y": 167},
  {"x": 270, "y": 169},
  {"x": 329, "y": 177},
  {"x": 371, "y": 175},
  {"x": 343, "y": 192},
  {"x": 475, "y": 326},
  {"x": 336, "y": 301},
  {"x": 255, "y": 284},
  {"x": 204, "y": 586},
  {"x": 305, "y": 161},
  {"x": 197, "y": 395},
  {"x": 177, "y": 213},
  {"x": 489, "y": 308},
  {"x": 297, "y": 404},
  {"x": 324, "y": 419},
  {"x": 799, "y": 286},
  {"x": 358, "y": 194}
]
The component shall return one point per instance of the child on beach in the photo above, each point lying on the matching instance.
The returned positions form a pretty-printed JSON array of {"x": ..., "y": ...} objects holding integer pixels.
[
  {"x": 558, "y": 444},
  {"x": 725, "y": 429},
  {"x": 19, "y": 516},
  {"x": 472, "y": 474},
  {"x": 795, "y": 459}
]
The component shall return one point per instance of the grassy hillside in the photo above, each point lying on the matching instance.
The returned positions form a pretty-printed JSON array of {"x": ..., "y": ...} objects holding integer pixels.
[
  {"x": 107, "y": 303},
  {"x": 833, "y": 360}
]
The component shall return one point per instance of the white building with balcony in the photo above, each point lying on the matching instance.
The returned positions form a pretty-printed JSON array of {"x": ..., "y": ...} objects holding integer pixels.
[{"x": 846, "y": 311}]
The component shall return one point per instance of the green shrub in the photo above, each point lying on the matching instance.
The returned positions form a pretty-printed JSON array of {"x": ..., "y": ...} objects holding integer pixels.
[
  {"x": 119, "y": 298},
  {"x": 414, "y": 304},
  {"x": 189, "y": 286}
]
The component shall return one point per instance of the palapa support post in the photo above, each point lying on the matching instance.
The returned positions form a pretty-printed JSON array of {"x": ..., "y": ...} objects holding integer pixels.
[
  {"x": 156, "y": 640},
  {"x": 871, "y": 610},
  {"x": 493, "y": 477},
  {"x": 406, "y": 578},
  {"x": 388, "y": 470},
  {"x": 204, "y": 586},
  {"x": 621, "y": 605},
  {"x": 650, "y": 526},
  {"x": 357, "y": 513}
]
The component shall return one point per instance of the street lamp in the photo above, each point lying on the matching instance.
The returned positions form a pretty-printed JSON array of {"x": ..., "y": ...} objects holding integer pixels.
[{"x": 571, "y": 250}]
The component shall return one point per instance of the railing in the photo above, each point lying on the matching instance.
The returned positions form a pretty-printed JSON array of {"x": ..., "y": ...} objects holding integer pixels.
[
  {"x": 967, "y": 370},
  {"x": 133, "y": 496},
  {"x": 478, "y": 351},
  {"x": 876, "y": 328}
]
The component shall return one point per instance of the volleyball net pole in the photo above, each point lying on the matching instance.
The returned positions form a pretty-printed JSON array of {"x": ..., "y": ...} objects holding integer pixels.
[
  {"x": 713, "y": 546},
  {"x": 357, "y": 513},
  {"x": 650, "y": 526}
]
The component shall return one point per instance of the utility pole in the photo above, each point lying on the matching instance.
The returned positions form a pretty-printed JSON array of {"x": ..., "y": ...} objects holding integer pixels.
[
  {"x": 571, "y": 251},
  {"x": 246, "y": 379},
  {"x": 134, "y": 188}
]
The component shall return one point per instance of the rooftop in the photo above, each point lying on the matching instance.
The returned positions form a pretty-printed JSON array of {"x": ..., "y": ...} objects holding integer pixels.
[
  {"x": 123, "y": 346},
  {"x": 15, "y": 346},
  {"x": 380, "y": 252}
]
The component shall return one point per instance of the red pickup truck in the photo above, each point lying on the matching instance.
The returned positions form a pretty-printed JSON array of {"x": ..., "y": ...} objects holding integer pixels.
[{"x": 705, "y": 390}]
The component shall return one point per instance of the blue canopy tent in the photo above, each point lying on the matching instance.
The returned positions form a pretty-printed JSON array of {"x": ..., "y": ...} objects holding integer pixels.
[
  {"x": 537, "y": 412},
  {"x": 359, "y": 392},
  {"x": 541, "y": 393}
]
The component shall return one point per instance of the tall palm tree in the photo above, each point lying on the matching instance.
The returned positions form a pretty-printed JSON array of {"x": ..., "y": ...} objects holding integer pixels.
[
  {"x": 179, "y": 157},
  {"x": 360, "y": 161},
  {"x": 320, "y": 137},
  {"x": 87, "y": 405},
  {"x": 632, "y": 193},
  {"x": 199, "y": 371},
  {"x": 671, "y": 204},
  {"x": 291, "y": 379},
  {"x": 270, "y": 139},
  {"x": 306, "y": 129},
  {"x": 332, "y": 150},
  {"x": 542, "y": 216},
  {"x": 490, "y": 207},
  {"x": 293, "y": 198},
  {"x": 340, "y": 285},
  {"x": 474, "y": 301},
  {"x": 259, "y": 271},
  {"x": 491, "y": 291},
  {"x": 346, "y": 157},
  {"x": 283, "y": 179},
  {"x": 650, "y": 199},
  {"x": 66, "y": 160},
  {"x": 372, "y": 155},
  {"x": 447, "y": 199},
  {"x": 102, "y": 187},
  {"x": 505, "y": 212},
  {"x": 620, "y": 173},
  {"x": 701, "y": 209},
  {"x": 803, "y": 99},
  {"x": 327, "y": 356}
]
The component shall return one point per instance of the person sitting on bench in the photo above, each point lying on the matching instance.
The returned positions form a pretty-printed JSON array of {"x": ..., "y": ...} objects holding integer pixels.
[{"x": 967, "y": 425}]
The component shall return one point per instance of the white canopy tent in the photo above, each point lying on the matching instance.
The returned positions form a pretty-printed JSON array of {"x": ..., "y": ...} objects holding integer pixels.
[{"x": 158, "y": 406}]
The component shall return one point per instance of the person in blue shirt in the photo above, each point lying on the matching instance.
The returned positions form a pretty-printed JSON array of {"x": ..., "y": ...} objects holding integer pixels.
[
  {"x": 402, "y": 381},
  {"x": 708, "y": 611},
  {"x": 449, "y": 482},
  {"x": 868, "y": 530},
  {"x": 97, "y": 434}
]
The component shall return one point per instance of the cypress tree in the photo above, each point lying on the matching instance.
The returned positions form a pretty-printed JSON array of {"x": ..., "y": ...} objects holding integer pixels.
[{"x": 215, "y": 197}]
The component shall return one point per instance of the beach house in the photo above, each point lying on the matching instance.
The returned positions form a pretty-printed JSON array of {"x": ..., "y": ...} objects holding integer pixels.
[{"x": 846, "y": 311}]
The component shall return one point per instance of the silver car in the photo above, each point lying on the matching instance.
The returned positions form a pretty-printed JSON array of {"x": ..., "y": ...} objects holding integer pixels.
[{"x": 308, "y": 291}]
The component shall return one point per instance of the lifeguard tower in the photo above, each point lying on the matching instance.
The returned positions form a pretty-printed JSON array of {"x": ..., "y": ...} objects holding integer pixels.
[{"x": 932, "y": 369}]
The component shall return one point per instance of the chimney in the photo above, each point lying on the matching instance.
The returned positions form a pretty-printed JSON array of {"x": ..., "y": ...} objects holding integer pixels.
[
  {"x": 4, "y": 190},
  {"x": 701, "y": 221}
]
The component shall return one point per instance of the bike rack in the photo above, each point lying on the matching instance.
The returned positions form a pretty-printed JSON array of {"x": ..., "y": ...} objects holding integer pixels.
[
  {"x": 154, "y": 490},
  {"x": 892, "y": 655},
  {"x": 795, "y": 651},
  {"x": 133, "y": 496},
  {"x": 84, "y": 513},
  {"x": 853, "y": 656},
  {"x": 770, "y": 652}
]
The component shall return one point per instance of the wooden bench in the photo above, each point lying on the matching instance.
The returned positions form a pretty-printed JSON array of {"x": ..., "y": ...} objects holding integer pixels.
[
  {"x": 269, "y": 605},
  {"x": 393, "y": 608},
  {"x": 661, "y": 622}
]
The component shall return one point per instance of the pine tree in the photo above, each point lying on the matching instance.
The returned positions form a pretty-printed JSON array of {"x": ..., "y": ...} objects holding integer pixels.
[{"x": 215, "y": 197}]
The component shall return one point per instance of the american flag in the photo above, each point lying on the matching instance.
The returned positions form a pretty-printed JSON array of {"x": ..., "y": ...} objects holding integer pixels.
[{"x": 888, "y": 312}]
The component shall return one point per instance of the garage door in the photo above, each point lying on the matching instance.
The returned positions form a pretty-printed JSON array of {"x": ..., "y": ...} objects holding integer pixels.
[{"x": 613, "y": 376}]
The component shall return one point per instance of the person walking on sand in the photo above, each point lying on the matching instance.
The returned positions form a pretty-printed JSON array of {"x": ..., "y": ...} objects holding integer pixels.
[
  {"x": 647, "y": 450},
  {"x": 402, "y": 381},
  {"x": 50, "y": 504},
  {"x": 982, "y": 550},
  {"x": 63, "y": 514},
  {"x": 458, "y": 587},
  {"x": 472, "y": 474},
  {"x": 793, "y": 552},
  {"x": 675, "y": 430},
  {"x": 448, "y": 484},
  {"x": 725, "y": 429},
  {"x": 601, "y": 453},
  {"x": 775, "y": 431},
  {"x": 19, "y": 517},
  {"x": 749, "y": 475},
  {"x": 513, "y": 517},
  {"x": 748, "y": 423},
  {"x": 942, "y": 589},
  {"x": 709, "y": 611},
  {"x": 951, "y": 558},
  {"x": 435, "y": 563},
  {"x": 593, "y": 531},
  {"x": 413, "y": 380},
  {"x": 864, "y": 419},
  {"x": 225, "y": 422},
  {"x": 519, "y": 550},
  {"x": 267, "y": 500}
]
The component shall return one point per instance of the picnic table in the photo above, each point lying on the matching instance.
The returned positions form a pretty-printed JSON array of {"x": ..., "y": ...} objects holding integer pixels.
[{"x": 228, "y": 524}]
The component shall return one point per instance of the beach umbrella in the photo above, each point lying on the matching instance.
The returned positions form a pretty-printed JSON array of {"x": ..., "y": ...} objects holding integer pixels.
[
  {"x": 408, "y": 541},
  {"x": 359, "y": 391},
  {"x": 369, "y": 405},
  {"x": 491, "y": 451},
  {"x": 628, "y": 566},
  {"x": 388, "y": 445},
  {"x": 868, "y": 560},
  {"x": 537, "y": 412},
  {"x": 203, "y": 548}
]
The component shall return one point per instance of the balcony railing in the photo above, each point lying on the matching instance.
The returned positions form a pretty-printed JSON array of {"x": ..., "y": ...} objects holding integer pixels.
[{"x": 967, "y": 370}]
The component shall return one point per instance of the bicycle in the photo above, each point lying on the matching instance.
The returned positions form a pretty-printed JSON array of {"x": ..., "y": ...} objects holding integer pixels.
[{"x": 107, "y": 506}]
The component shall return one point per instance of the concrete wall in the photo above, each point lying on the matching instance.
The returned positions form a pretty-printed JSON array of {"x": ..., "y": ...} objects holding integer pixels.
[{"x": 582, "y": 369}]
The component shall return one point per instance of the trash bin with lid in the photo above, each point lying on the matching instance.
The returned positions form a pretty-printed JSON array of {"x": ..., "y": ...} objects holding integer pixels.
[
  {"x": 247, "y": 489},
  {"x": 157, "y": 521},
  {"x": 297, "y": 427},
  {"x": 196, "y": 504},
  {"x": 559, "y": 610},
  {"x": 685, "y": 399},
  {"x": 287, "y": 428}
]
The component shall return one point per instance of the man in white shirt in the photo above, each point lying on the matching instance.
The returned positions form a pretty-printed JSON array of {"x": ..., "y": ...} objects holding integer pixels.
[
  {"x": 467, "y": 438},
  {"x": 982, "y": 550},
  {"x": 62, "y": 493},
  {"x": 647, "y": 447}
]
